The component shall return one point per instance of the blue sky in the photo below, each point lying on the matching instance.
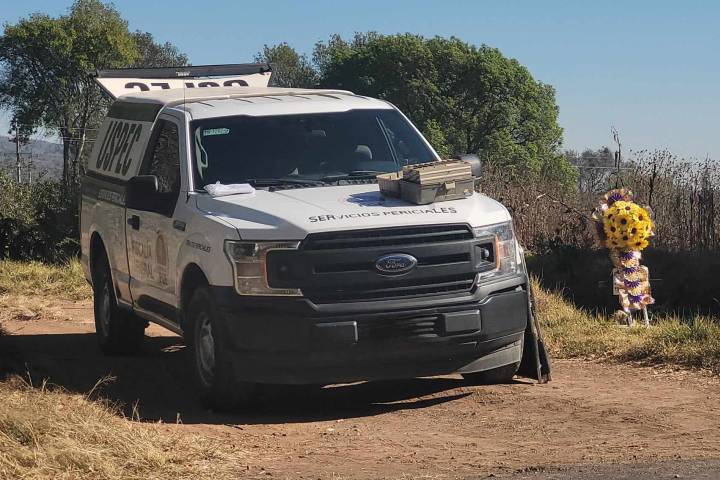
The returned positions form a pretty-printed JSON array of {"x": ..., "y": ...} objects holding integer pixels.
[{"x": 650, "y": 68}]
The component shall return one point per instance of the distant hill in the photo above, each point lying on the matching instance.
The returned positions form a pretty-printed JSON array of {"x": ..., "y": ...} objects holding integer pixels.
[{"x": 38, "y": 157}]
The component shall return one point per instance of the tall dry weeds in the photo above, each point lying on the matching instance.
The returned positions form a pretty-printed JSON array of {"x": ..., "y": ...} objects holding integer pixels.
[
  {"x": 52, "y": 434},
  {"x": 545, "y": 216},
  {"x": 684, "y": 197}
]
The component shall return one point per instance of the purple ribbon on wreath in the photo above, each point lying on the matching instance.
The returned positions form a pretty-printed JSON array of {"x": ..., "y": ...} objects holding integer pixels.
[
  {"x": 628, "y": 255},
  {"x": 635, "y": 298},
  {"x": 615, "y": 197}
]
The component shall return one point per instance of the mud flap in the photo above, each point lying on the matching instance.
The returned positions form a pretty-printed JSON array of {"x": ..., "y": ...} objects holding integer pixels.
[{"x": 535, "y": 361}]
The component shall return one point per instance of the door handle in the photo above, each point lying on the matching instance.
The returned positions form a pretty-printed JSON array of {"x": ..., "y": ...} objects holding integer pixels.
[{"x": 134, "y": 222}]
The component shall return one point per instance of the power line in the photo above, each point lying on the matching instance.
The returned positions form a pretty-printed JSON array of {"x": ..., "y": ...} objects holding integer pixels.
[
  {"x": 588, "y": 167},
  {"x": 43, "y": 126}
]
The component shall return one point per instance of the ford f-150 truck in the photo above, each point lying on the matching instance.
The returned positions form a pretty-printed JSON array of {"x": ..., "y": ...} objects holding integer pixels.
[{"x": 305, "y": 274}]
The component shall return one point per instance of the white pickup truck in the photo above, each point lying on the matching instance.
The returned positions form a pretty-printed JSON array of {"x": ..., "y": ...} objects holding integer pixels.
[{"x": 248, "y": 219}]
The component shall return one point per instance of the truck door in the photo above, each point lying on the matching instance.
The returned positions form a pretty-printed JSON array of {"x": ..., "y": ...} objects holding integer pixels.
[{"x": 153, "y": 234}]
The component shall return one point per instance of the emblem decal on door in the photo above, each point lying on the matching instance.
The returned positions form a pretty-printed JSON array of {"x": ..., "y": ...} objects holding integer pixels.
[{"x": 161, "y": 259}]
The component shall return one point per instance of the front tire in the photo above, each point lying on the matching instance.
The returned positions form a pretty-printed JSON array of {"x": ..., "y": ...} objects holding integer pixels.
[
  {"x": 493, "y": 376},
  {"x": 118, "y": 332},
  {"x": 210, "y": 360}
]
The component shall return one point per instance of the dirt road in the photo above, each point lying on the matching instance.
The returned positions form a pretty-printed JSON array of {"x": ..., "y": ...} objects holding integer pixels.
[{"x": 593, "y": 421}]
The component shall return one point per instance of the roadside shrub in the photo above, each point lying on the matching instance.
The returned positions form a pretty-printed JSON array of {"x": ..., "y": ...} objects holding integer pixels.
[
  {"x": 684, "y": 197},
  {"x": 37, "y": 221}
]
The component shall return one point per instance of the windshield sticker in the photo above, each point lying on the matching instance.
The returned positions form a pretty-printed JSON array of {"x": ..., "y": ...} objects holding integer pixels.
[
  {"x": 215, "y": 131},
  {"x": 409, "y": 211}
]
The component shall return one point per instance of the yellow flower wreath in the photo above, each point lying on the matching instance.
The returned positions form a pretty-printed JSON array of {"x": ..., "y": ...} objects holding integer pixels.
[{"x": 627, "y": 226}]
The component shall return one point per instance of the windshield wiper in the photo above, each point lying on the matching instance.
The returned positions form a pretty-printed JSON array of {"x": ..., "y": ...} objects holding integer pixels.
[
  {"x": 273, "y": 182},
  {"x": 353, "y": 175}
]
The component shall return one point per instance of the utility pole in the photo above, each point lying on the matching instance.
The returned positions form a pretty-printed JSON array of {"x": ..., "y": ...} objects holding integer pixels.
[
  {"x": 29, "y": 165},
  {"x": 17, "y": 150},
  {"x": 618, "y": 157}
]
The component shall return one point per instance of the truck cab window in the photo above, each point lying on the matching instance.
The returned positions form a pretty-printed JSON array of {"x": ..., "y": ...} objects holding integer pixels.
[
  {"x": 164, "y": 163},
  {"x": 406, "y": 145},
  {"x": 165, "y": 160},
  {"x": 310, "y": 146}
]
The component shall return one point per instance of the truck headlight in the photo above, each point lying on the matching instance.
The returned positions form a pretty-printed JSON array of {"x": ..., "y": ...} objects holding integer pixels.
[
  {"x": 250, "y": 269},
  {"x": 506, "y": 248}
]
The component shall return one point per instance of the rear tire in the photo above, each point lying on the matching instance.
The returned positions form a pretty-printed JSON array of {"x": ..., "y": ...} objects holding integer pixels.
[
  {"x": 493, "y": 376},
  {"x": 209, "y": 358},
  {"x": 118, "y": 332}
]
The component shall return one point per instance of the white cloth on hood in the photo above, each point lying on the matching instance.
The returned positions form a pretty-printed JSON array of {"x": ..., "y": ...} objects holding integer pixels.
[{"x": 220, "y": 190}]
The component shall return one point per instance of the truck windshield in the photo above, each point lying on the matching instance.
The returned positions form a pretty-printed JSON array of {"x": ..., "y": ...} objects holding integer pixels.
[{"x": 318, "y": 147}]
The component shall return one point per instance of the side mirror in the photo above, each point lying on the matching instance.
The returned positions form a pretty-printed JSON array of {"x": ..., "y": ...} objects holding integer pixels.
[
  {"x": 141, "y": 191},
  {"x": 475, "y": 163}
]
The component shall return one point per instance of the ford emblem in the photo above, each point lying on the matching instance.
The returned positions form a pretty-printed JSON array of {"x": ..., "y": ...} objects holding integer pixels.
[{"x": 395, "y": 263}]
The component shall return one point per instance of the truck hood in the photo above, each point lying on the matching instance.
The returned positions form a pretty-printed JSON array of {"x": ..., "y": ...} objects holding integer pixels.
[{"x": 292, "y": 214}]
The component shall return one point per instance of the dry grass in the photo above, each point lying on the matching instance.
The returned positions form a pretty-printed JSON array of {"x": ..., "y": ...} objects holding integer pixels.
[
  {"x": 35, "y": 278},
  {"x": 48, "y": 433},
  {"x": 571, "y": 332},
  {"x": 52, "y": 434},
  {"x": 30, "y": 290}
]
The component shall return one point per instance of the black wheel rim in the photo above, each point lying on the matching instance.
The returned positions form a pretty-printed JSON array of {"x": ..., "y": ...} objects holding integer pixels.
[
  {"x": 205, "y": 348},
  {"x": 104, "y": 310}
]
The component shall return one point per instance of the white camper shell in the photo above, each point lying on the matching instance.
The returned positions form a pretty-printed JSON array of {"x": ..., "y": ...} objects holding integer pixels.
[{"x": 248, "y": 219}]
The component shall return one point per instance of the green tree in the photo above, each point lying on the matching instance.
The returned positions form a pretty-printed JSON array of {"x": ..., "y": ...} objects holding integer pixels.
[
  {"x": 326, "y": 53},
  {"x": 45, "y": 72},
  {"x": 290, "y": 69},
  {"x": 46, "y": 65},
  {"x": 481, "y": 101},
  {"x": 435, "y": 134},
  {"x": 154, "y": 54}
]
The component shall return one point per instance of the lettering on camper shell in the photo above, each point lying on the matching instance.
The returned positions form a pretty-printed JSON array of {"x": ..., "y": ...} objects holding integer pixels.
[
  {"x": 144, "y": 86},
  {"x": 119, "y": 148}
]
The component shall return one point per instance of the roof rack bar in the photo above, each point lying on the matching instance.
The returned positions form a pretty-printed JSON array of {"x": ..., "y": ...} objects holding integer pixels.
[
  {"x": 240, "y": 95},
  {"x": 189, "y": 71}
]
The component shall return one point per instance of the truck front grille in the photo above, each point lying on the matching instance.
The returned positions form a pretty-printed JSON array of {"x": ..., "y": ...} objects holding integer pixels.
[
  {"x": 337, "y": 267},
  {"x": 389, "y": 237},
  {"x": 417, "y": 288}
]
